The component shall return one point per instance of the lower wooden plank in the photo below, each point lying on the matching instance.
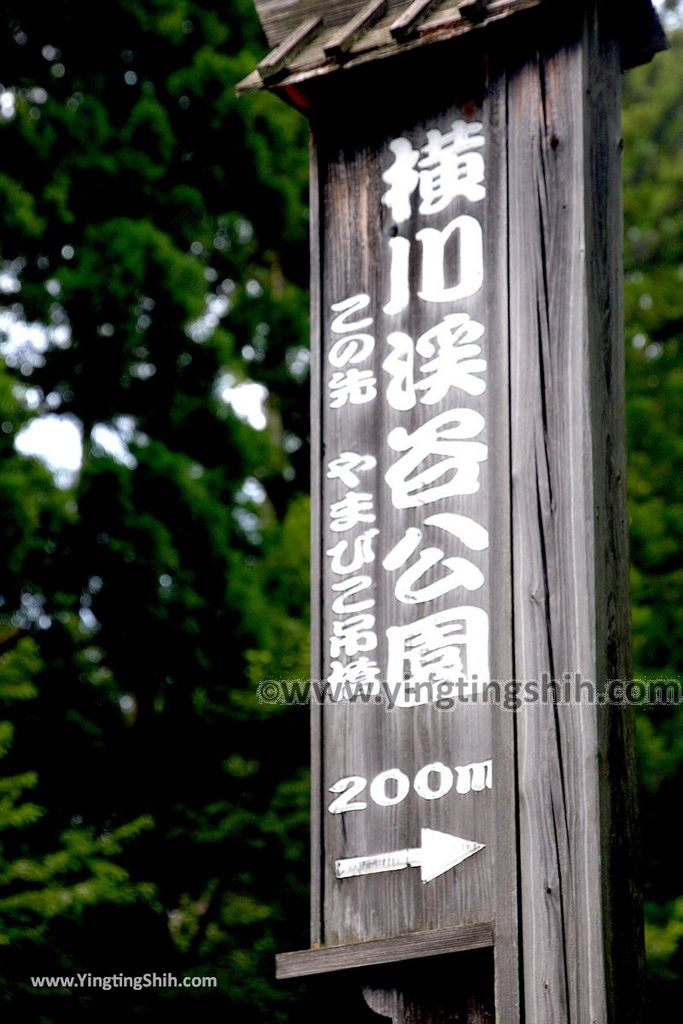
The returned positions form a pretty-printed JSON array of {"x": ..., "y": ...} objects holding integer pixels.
[{"x": 307, "y": 962}]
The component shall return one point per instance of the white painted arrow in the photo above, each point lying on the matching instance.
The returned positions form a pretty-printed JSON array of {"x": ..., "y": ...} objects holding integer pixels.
[{"x": 439, "y": 852}]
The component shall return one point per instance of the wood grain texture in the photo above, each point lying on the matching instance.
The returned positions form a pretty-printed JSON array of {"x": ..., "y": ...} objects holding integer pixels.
[
  {"x": 353, "y": 230},
  {"x": 569, "y": 554},
  {"x": 620, "y": 838},
  {"x": 317, "y": 553},
  {"x": 640, "y": 32},
  {"x": 418, "y": 946},
  {"x": 410, "y": 18},
  {"x": 560, "y": 824},
  {"x": 367, "y": 740},
  {"x": 342, "y": 39},
  {"x": 279, "y": 17},
  {"x": 311, "y": 66},
  {"x": 507, "y": 945},
  {"x": 277, "y": 60}
]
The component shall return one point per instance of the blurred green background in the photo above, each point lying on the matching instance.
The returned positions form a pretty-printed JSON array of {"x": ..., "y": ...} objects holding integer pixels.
[{"x": 153, "y": 331}]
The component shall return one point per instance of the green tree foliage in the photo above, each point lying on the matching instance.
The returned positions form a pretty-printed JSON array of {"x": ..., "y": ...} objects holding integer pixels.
[
  {"x": 653, "y": 129},
  {"x": 81, "y": 873},
  {"x": 156, "y": 229}
]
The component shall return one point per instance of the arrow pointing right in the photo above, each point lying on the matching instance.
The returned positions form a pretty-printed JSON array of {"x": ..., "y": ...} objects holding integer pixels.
[{"x": 439, "y": 852}]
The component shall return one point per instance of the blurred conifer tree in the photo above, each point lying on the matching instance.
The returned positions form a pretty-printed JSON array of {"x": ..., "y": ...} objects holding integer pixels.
[
  {"x": 155, "y": 814},
  {"x": 653, "y": 205}
]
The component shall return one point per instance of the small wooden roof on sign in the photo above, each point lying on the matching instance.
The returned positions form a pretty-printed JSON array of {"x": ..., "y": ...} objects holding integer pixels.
[{"x": 312, "y": 38}]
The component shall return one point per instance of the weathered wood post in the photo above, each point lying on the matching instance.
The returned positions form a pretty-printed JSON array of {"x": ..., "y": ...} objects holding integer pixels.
[{"x": 469, "y": 523}]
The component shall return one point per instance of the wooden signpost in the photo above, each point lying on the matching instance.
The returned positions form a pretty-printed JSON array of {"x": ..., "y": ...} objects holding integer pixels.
[{"x": 471, "y": 811}]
